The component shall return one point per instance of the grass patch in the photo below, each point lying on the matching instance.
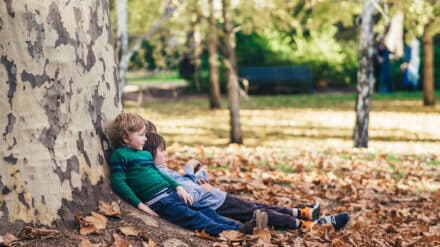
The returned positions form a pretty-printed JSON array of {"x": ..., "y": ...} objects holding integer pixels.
[
  {"x": 284, "y": 168},
  {"x": 345, "y": 156},
  {"x": 433, "y": 163},
  {"x": 392, "y": 158},
  {"x": 309, "y": 165},
  {"x": 263, "y": 165},
  {"x": 397, "y": 102},
  {"x": 369, "y": 157},
  {"x": 398, "y": 175},
  {"x": 165, "y": 77}
]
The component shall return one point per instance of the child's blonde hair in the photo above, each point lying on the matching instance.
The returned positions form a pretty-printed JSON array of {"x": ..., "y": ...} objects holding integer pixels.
[{"x": 124, "y": 124}]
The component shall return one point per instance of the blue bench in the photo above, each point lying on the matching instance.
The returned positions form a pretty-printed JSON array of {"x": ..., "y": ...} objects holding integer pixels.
[{"x": 292, "y": 78}]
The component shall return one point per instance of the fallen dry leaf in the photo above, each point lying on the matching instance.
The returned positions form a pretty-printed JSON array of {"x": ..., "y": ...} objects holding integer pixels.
[
  {"x": 263, "y": 234},
  {"x": 150, "y": 243},
  {"x": 111, "y": 210},
  {"x": 87, "y": 243},
  {"x": 336, "y": 242},
  {"x": 231, "y": 236},
  {"x": 118, "y": 241},
  {"x": 128, "y": 231},
  {"x": 37, "y": 233},
  {"x": 204, "y": 235},
  {"x": 7, "y": 239},
  {"x": 91, "y": 224}
]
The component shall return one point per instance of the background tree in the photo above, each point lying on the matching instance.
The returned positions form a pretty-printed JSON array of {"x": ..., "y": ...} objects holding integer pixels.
[
  {"x": 215, "y": 95},
  {"x": 365, "y": 81},
  {"x": 60, "y": 87},
  {"x": 231, "y": 74},
  {"x": 157, "y": 23}
]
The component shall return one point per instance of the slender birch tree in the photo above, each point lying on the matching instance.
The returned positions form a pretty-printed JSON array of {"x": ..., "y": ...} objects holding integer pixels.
[{"x": 365, "y": 76}]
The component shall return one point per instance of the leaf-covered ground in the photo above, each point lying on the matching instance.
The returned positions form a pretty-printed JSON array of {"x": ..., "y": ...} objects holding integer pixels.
[
  {"x": 298, "y": 150},
  {"x": 392, "y": 199}
]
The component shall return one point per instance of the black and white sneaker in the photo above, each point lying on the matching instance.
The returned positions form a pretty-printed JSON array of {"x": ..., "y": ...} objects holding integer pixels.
[
  {"x": 338, "y": 220},
  {"x": 311, "y": 212}
]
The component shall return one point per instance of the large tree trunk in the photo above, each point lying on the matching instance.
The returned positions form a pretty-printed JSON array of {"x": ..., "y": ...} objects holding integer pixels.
[
  {"x": 215, "y": 96},
  {"x": 58, "y": 87},
  {"x": 365, "y": 76},
  {"x": 230, "y": 61},
  {"x": 122, "y": 38},
  {"x": 428, "y": 65}
]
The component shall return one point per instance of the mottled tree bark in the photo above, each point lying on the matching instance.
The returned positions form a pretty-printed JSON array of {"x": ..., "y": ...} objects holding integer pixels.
[
  {"x": 428, "y": 65},
  {"x": 233, "y": 87},
  {"x": 58, "y": 88},
  {"x": 214, "y": 96},
  {"x": 365, "y": 76}
]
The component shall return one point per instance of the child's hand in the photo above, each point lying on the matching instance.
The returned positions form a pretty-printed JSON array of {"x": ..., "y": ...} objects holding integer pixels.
[
  {"x": 187, "y": 198},
  {"x": 147, "y": 209},
  {"x": 207, "y": 187}
]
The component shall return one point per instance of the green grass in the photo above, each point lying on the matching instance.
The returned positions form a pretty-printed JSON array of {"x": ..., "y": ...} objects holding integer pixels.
[
  {"x": 345, "y": 156},
  {"x": 284, "y": 168},
  {"x": 433, "y": 163},
  {"x": 396, "y": 102},
  {"x": 392, "y": 158},
  {"x": 164, "y": 77}
]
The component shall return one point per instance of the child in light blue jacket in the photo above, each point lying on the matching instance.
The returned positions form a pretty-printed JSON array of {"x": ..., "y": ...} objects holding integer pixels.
[{"x": 225, "y": 204}]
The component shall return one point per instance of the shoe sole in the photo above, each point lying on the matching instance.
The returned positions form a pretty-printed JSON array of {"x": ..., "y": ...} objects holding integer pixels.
[{"x": 262, "y": 219}]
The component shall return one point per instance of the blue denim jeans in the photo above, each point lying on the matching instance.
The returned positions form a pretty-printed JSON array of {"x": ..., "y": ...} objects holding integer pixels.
[{"x": 172, "y": 209}]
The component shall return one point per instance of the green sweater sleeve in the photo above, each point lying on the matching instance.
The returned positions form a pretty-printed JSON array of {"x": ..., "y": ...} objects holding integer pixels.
[{"x": 119, "y": 182}]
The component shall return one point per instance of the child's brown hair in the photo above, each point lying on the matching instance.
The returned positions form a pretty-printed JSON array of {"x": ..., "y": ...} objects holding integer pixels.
[
  {"x": 124, "y": 124},
  {"x": 154, "y": 142},
  {"x": 151, "y": 127}
]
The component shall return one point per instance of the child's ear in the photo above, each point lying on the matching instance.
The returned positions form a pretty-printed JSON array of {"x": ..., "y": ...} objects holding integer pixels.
[{"x": 125, "y": 139}]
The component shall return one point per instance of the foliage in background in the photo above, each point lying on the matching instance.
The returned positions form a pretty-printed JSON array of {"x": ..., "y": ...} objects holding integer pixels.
[{"x": 272, "y": 33}]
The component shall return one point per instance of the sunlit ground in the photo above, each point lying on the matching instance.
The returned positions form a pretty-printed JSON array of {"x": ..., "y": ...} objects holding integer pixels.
[
  {"x": 396, "y": 125},
  {"x": 298, "y": 149}
]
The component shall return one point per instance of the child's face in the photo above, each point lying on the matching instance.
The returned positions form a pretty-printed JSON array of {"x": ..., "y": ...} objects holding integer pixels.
[
  {"x": 161, "y": 157},
  {"x": 137, "y": 139}
]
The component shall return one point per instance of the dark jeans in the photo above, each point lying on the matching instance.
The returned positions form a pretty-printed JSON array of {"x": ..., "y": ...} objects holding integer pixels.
[
  {"x": 241, "y": 210},
  {"x": 172, "y": 209}
]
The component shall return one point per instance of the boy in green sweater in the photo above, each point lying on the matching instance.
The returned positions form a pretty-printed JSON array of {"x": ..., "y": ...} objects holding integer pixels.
[{"x": 135, "y": 178}]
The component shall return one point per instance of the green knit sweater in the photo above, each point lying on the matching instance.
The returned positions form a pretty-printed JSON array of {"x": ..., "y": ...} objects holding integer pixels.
[{"x": 134, "y": 177}]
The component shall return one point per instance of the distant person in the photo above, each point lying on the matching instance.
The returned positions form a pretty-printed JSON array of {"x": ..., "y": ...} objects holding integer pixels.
[
  {"x": 383, "y": 59},
  {"x": 410, "y": 66},
  {"x": 208, "y": 197}
]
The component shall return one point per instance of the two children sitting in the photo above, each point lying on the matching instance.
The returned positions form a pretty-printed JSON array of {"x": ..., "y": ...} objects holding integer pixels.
[{"x": 140, "y": 176}]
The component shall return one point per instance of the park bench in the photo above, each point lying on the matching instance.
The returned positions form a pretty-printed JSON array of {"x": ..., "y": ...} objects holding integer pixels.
[{"x": 279, "y": 78}]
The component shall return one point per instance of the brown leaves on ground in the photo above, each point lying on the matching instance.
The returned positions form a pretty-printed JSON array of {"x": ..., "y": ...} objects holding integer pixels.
[
  {"x": 7, "y": 239},
  {"x": 118, "y": 241},
  {"x": 91, "y": 224},
  {"x": 37, "y": 233},
  {"x": 392, "y": 198},
  {"x": 109, "y": 209}
]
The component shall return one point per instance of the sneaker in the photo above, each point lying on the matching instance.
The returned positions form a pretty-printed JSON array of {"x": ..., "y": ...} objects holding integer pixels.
[
  {"x": 306, "y": 225},
  {"x": 309, "y": 212},
  {"x": 260, "y": 220},
  {"x": 338, "y": 220}
]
